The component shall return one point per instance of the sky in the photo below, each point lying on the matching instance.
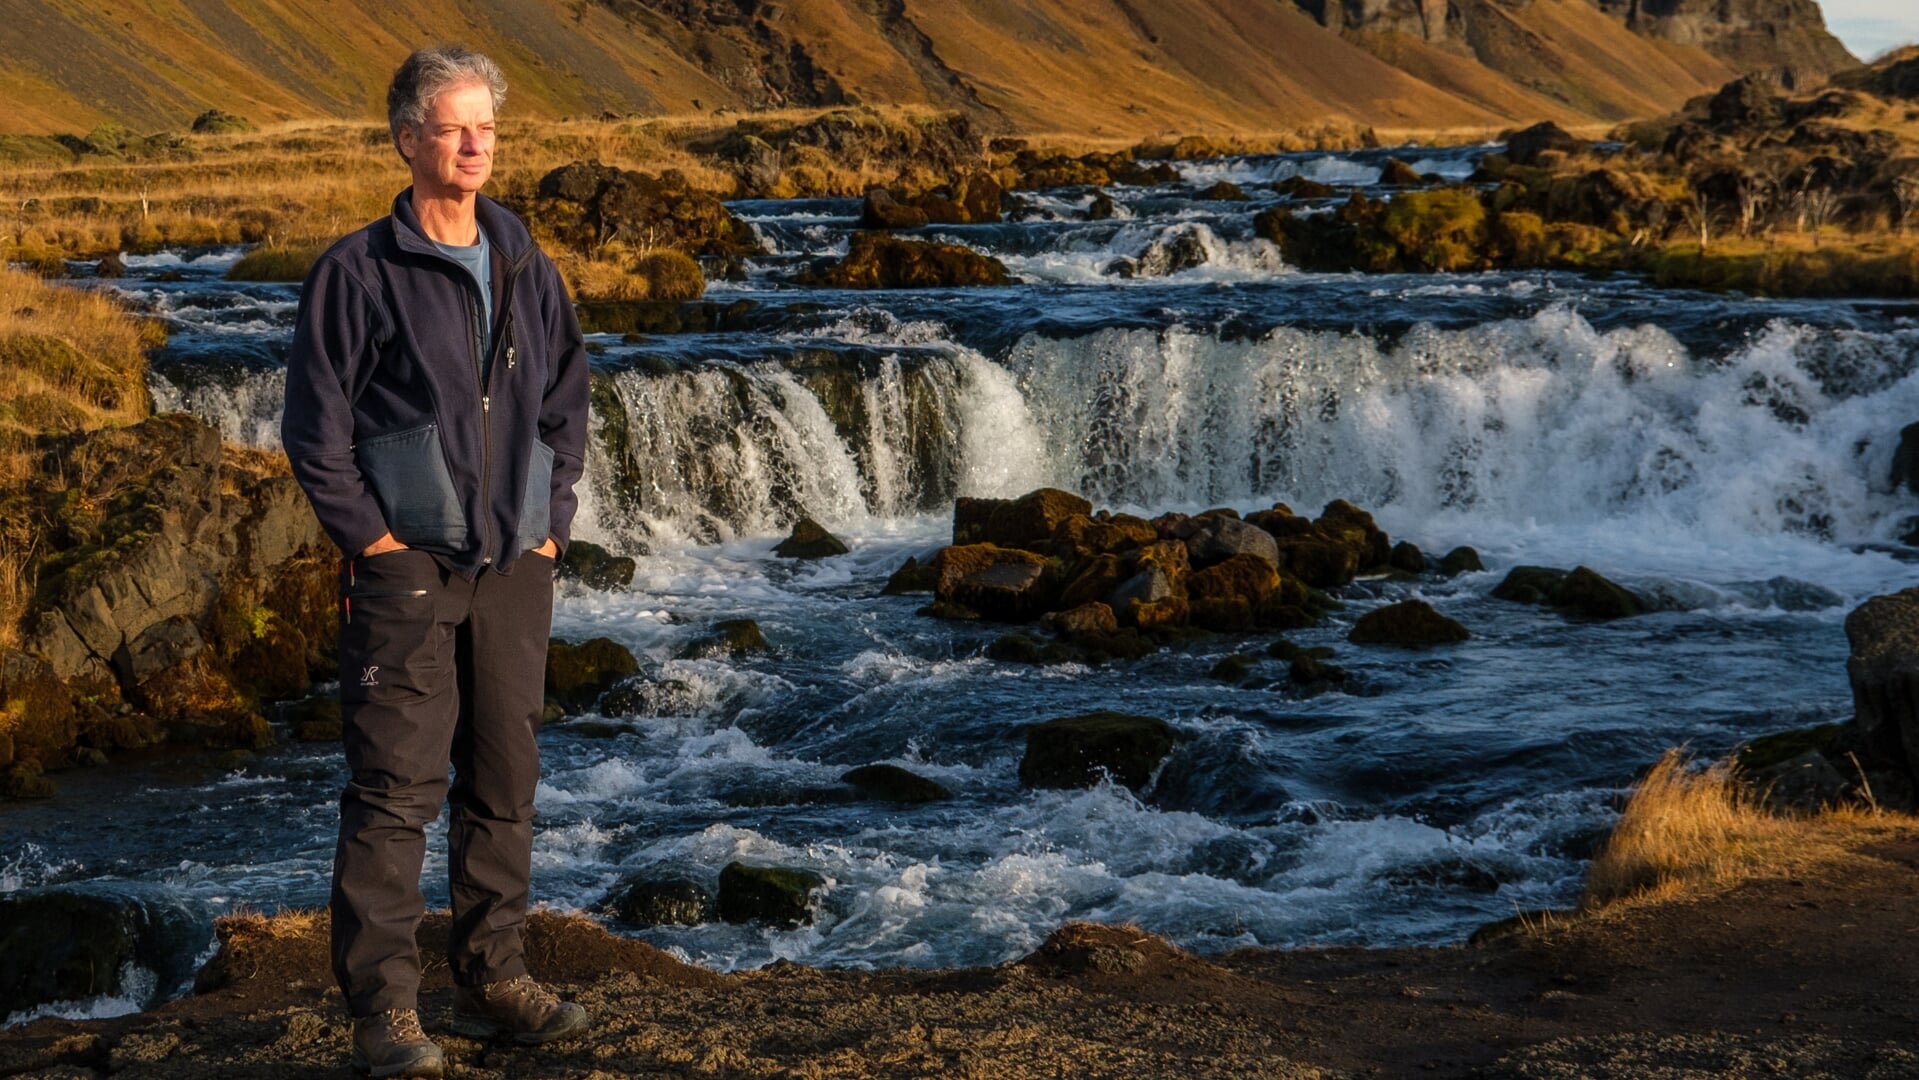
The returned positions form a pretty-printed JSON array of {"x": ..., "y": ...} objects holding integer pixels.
[{"x": 1870, "y": 27}]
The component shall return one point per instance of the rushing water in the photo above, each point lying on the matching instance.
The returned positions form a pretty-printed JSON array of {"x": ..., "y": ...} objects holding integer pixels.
[{"x": 1727, "y": 457}]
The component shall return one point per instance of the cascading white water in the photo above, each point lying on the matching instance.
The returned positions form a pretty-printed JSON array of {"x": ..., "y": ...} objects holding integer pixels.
[{"x": 1542, "y": 419}]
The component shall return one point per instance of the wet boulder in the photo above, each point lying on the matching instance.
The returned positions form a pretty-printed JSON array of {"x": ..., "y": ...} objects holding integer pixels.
[
  {"x": 1175, "y": 251},
  {"x": 576, "y": 675},
  {"x": 1093, "y": 580},
  {"x": 891, "y": 783},
  {"x": 1396, "y": 173},
  {"x": 810, "y": 540},
  {"x": 1905, "y": 460},
  {"x": 646, "y": 900},
  {"x": 913, "y": 576},
  {"x": 1409, "y": 624},
  {"x": 1102, "y": 207},
  {"x": 1079, "y": 536},
  {"x": 1299, "y": 187},
  {"x": 878, "y": 261},
  {"x": 999, "y": 583},
  {"x": 881, "y": 209},
  {"x": 76, "y": 942},
  {"x": 1221, "y": 538},
  {"x": 729, "y": 637},
  {"x": 1030, "y": 521},
  {"x": 1530, "y": 585},
  {"x": 776, "y": 895},
  {"x": 1407, "y": 558},
  {"x": 1233, "y": 669},
  {"x": 581, "y": 203},
  {"x": 1085, "y": 620},
  {"x": 1585, "y": 592},
  {"x": 1229, "y": 595},
  {"x": 1524, "y": 147},
  {"x": 1460, "y": 560},
  {"x": 1074, "y": 751},
  {"x": 1223, "y": 191},
  {"x": 1582, "y": 592},
  {"x": 596, "y": 568},
  {"x": 1884, "y": 671}
]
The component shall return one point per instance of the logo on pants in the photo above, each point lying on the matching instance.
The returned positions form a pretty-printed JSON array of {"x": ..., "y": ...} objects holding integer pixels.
[{"x": 366, "y": 677}]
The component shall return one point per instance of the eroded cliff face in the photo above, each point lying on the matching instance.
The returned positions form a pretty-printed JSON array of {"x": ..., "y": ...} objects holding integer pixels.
[{"x": 1785, "y": 40}]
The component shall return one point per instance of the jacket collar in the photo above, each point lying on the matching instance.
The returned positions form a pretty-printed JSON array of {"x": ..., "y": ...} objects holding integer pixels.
[{"x": 504, "y": 230}]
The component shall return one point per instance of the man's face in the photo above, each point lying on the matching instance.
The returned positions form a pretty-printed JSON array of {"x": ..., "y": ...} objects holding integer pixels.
[{"x": 452, "y": 152}]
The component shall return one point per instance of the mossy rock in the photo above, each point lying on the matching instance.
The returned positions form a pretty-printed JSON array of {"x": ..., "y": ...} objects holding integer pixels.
[
  {"x": 644, "y": 900},
  {"x": 1530, "y": 585},
  {"x": 1407, "y": 558},
  {"x": 1315, "y": 675},
  {"x": 275, "y": 264},
  {"x": 1460, "y": 560},
  {"x": 596, "y": 568},
  {"x": 913, "y": 576},
  {"x": 1409, "y": 624},
  {"x": 1233, "y": 669},
  {"x": 890, "y": 783},
  {"x": 777, "y": 895},
  {"x": 733, "y": 637},
  {"x": 1073, "y": 751},
  {"x": 576, "y": 675},
  {"x": 1586, "y": 593},
  {"x": 1223, "y": 191},
  {"x": 215, "y": 122},
  {"x": 810, "y": 540},
  {"x": 878, "y": 261},
  {"x": 1016, "y": 647}
]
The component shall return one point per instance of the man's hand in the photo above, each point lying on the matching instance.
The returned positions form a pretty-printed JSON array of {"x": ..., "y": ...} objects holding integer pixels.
[
  {"x": 550, "y": 549},
  {"x": 381, "y": 546}
]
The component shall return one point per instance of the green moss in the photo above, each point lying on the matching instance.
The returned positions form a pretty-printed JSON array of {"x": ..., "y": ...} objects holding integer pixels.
[
  {"x": 1442, "y": 230},
  {"x": 276, "y": 263}
]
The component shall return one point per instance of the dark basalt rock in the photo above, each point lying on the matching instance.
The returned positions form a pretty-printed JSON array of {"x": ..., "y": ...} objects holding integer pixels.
[
  {"x": 1884, "y": 671},
  {"x": 1524, "y": 147},
  {"x": 734, "y": 637},
  {"x": 1071, "y": 752},
  {"x": 1224, "y": 191},
  {"x": 879, "y": 261},
  {"x": 576, "y": 675},
  {"x": 1396, "y": 173},
  {"x": 1410, "y": 624},
  {"x": 913, "y": 576},
  {"x": 890, "y": 783},
  {"x": 1407, "y": 558},
  {"x": 810, "y": 540},
  {"x": 1586, "y": 593},
  {"x": 1233, "y": 669},
  {"x": 776, "y": 895},
  {"x": 1460, "y": 560},
  {"x": 75, "y": 942},
  {"x": 595, "y": 567},
  {"x": 643, "y": 900}
]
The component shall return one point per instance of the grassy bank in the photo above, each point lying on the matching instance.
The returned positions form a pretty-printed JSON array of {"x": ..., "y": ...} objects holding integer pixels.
[{"x": 70, "y": 361}]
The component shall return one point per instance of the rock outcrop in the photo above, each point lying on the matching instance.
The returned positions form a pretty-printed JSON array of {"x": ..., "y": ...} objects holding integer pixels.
[
  {"x": 1884, "y": 670},
  {"x": 184, "y": 584}
]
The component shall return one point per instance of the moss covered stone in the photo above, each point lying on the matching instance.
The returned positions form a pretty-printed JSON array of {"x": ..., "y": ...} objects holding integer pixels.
[
  {"x": 1073, "y": 751},
  {"x": 645, "y": 900},
  {"x": 891, "y": 783},
  {"x": 596, "y": 568},
  {"x": 576, "y": 675},
  {"x": 777, "y": 895},
  {"x": 810, "y": 540},
  {"x": 1410, "y": 624},
  {"x": 731, "y": 637}
]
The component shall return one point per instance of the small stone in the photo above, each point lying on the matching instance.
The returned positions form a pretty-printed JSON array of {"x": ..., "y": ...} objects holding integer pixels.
[
  {"x": 810, "y": 540},
  {"x": 890, "y": 783}
]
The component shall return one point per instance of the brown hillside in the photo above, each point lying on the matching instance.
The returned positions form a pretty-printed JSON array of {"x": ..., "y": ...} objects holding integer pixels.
[{"x": 1117, "y": 68}]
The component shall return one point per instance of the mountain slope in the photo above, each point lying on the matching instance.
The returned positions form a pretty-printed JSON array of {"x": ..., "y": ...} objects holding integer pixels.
[{"x": 1119, "y": 68}]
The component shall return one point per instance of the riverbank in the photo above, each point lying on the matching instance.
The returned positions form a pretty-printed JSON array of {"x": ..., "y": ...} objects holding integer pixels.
[{"x": 1800, "y": 969}]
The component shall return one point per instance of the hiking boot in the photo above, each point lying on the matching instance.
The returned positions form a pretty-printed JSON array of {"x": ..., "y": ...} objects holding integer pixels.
[
  {"x": 518, "y": 1007},
  {"x": 392, "y": 1044}
]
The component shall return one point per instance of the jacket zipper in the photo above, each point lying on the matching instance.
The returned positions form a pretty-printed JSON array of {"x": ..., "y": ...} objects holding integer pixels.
[{"x": 486, "y": 421}]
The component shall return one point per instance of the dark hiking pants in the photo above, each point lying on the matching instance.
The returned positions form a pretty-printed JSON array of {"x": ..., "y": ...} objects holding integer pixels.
[{"x": 436, "y": 670}]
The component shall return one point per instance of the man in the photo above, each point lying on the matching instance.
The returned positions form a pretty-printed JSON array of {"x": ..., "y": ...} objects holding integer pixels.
[{"x": 436, "y": 416}]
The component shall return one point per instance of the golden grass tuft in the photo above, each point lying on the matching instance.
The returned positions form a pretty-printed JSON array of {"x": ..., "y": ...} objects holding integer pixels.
[
  {"x": 1686, "y": 828},
  {"x": 276, "y": 263},
  {"x": 652, "y": 275}
]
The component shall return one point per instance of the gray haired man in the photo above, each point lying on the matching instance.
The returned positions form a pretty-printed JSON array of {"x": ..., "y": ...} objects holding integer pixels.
[{"x": 436, "y": 417}]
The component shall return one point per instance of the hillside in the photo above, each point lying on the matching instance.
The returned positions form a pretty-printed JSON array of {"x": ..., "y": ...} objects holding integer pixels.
[{"x": 1114, "y": 68}]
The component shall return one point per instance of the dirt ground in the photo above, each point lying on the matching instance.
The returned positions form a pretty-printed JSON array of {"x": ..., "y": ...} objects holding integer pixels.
[{"x": 1809, "y": 973}]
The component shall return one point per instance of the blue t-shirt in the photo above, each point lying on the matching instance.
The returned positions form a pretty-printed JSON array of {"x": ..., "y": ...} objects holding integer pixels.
[{"x": 476, "y": 258}]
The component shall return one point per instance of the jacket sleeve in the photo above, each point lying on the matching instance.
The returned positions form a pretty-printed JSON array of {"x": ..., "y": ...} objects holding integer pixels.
[
  {"x": 563, "y": 408},
  {"x": 334, "y": 346}
]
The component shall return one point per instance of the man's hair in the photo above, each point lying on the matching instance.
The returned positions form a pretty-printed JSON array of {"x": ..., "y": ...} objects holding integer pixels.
[{"x": 430, "y": 72}]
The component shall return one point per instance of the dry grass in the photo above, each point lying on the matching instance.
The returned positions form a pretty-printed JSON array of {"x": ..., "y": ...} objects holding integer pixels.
[
  {"x": 1686, "y": 828},
  {"x": 651, "y": 275}
]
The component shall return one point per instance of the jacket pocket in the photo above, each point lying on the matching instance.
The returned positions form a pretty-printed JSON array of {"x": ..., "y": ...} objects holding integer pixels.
[
  {"x": 536, "y": 511},
  {"x": 408, "y": 474}
]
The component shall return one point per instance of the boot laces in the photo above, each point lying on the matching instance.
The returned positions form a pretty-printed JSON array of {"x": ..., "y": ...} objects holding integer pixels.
[
  {"x": 526, "y": 988},
  {"x": 405, "y": 1025}
]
